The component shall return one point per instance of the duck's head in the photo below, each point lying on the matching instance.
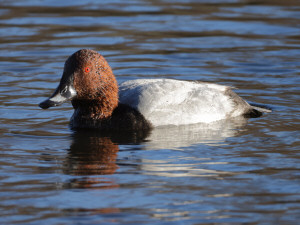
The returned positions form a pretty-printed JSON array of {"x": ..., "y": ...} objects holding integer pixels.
[{"x": 87, "y": 77}]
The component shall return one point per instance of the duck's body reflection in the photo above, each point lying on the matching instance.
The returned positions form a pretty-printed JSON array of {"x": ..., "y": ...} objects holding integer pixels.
[
  {"x": 176, "y": 137},
  {"x": 94, "y": 153},
  {"x": 92, "y": 157}
]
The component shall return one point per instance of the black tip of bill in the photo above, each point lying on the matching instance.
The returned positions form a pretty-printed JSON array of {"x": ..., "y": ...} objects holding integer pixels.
[{"x": 48, "y": 103}]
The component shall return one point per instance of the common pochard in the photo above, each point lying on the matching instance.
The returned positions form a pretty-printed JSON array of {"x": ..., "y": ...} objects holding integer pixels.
[{"x": 98, "y": 102}]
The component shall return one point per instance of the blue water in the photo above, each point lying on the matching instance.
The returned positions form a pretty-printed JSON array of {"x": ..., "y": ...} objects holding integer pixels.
[{"x": 232, "y": 172}]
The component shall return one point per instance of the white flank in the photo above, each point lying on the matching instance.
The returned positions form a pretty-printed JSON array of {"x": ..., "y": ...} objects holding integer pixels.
[{"x": 166, "y": 101}]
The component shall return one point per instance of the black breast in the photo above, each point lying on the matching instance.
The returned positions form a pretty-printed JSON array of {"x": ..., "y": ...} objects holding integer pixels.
[{"x": 125, "y": 117}]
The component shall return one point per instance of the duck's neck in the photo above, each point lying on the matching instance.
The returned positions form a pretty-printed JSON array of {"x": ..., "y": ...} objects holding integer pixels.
[{"x": 96, "y": 109}]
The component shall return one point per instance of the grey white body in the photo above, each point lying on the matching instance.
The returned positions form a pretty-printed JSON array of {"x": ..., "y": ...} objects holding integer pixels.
[{"x": 177, "y": 102}]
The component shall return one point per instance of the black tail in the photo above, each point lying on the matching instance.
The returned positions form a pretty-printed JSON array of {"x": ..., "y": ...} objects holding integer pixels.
[{"x": 257, "y": 110}]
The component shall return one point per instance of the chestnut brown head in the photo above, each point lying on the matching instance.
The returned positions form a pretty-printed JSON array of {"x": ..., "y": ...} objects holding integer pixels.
[{"x": 87, "y": 76}]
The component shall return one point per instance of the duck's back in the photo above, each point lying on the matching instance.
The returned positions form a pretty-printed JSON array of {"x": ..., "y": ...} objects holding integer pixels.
[{"x": 166, "y": 101}]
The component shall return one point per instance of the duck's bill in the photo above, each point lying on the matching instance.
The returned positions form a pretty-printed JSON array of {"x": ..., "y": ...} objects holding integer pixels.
[{"x": 62, "y": 94}]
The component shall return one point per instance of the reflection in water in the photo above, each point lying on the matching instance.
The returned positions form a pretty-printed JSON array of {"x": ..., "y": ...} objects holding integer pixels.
[
  {"x": 187, "y": 135},
  {"x": 166, "y": 169},
  {"x": 94, "y": 153},
  {"x": 177, "y": 137},
  {"x": 91, "y": 154}
]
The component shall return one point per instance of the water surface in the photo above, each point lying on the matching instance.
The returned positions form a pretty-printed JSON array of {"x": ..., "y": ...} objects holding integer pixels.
[{"x": 231, "y": 172}]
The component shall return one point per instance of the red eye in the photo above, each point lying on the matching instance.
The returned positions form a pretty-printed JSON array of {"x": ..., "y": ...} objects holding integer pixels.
[{"x": 87, "y": 69}]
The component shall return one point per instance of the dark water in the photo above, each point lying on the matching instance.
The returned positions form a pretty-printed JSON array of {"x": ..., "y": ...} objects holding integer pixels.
[{"x": 232, "y": 172}]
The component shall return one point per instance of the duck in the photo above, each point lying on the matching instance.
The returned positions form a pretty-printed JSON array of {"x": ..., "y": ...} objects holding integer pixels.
[{"x": 134, "y": 105}]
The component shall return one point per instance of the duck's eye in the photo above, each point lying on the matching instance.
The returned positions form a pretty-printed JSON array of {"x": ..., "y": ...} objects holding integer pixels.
[{"x": 87, "y": 69}]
